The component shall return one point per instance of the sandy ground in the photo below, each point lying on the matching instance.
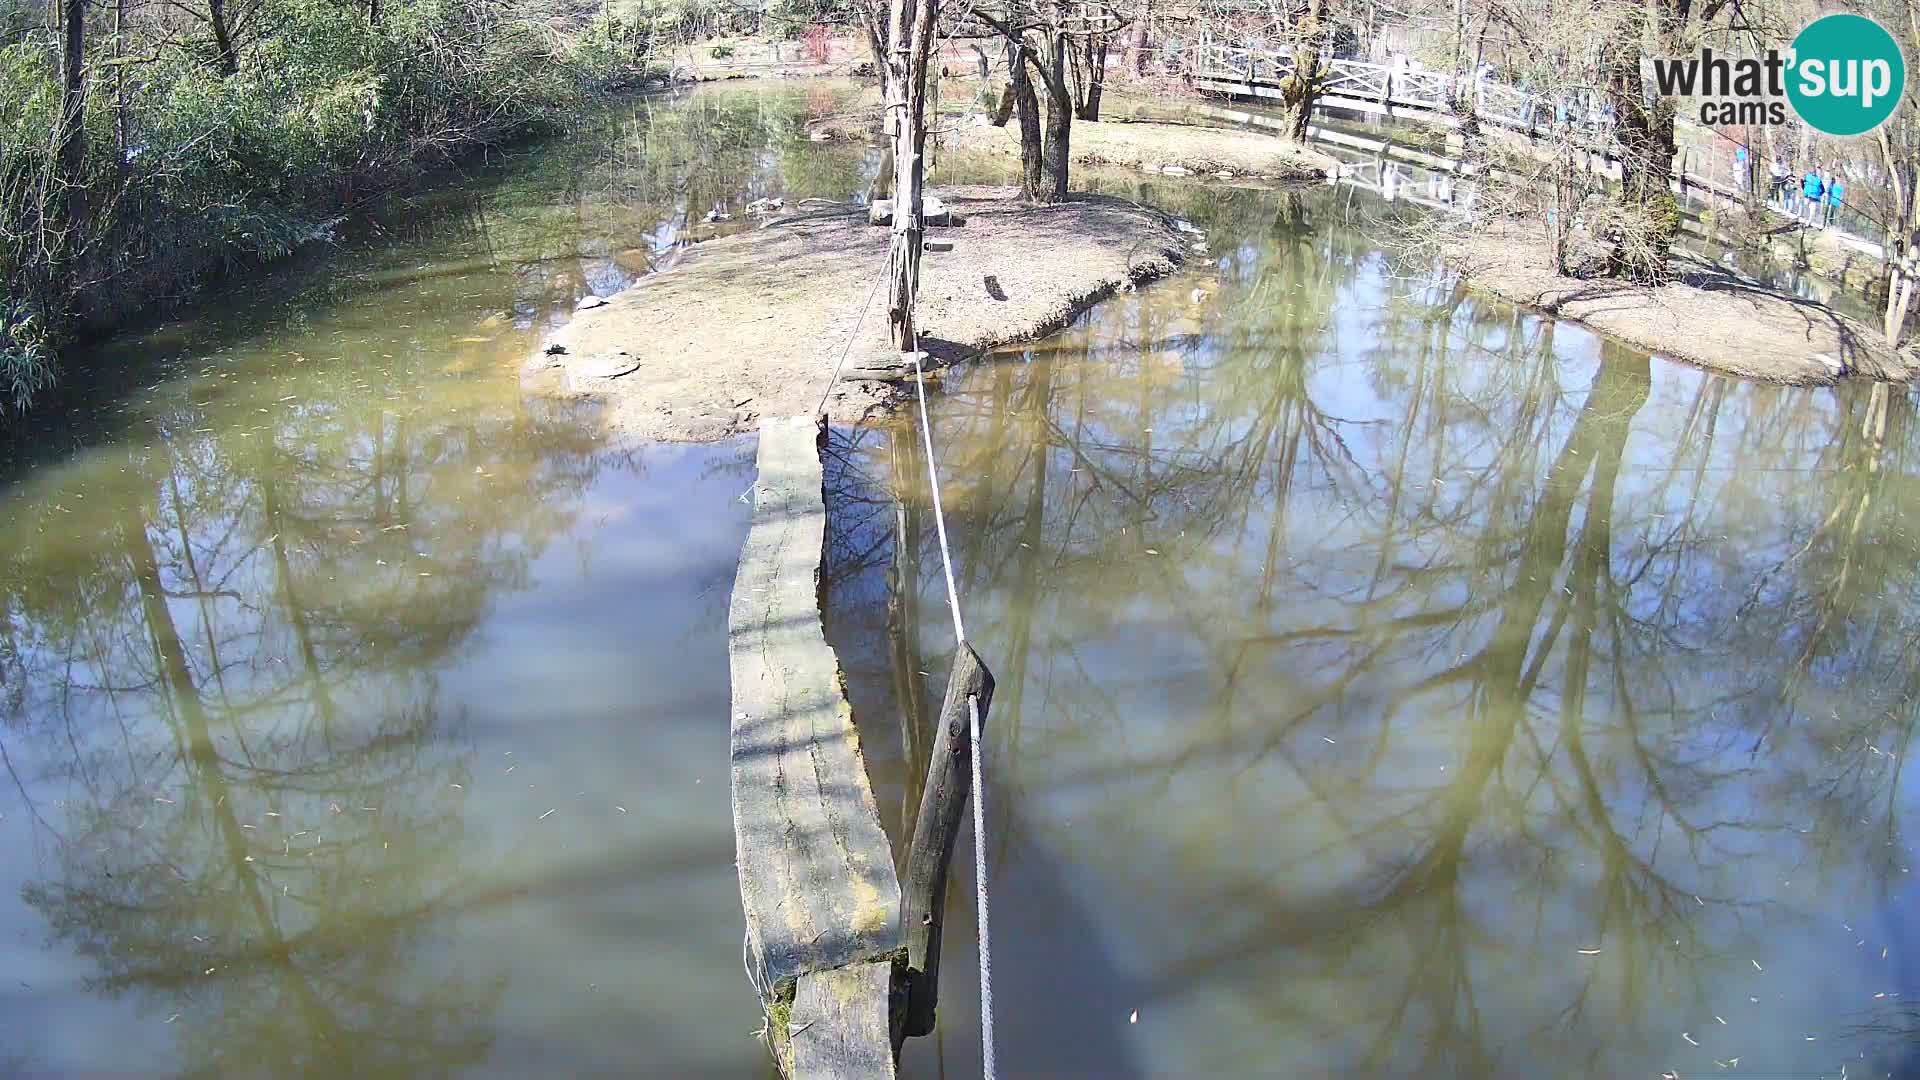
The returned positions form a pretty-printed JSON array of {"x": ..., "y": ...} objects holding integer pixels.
[
  {"x": 753, "y": 325},
  {"x": 750, "y": 58},
  {"x": 1157, "y": 146},
  {"x": 1709, "y": 317}
]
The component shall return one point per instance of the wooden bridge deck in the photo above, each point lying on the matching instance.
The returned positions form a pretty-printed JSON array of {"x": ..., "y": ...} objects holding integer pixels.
[{"x": 817, "y": 880}]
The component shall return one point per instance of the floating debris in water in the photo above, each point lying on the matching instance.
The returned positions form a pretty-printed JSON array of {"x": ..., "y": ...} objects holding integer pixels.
[{"x": 548, "y": 814}]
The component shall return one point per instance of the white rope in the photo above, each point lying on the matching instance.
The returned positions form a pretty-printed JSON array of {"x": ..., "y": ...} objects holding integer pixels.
[
  {"x": 987, "y": 1067},
  {"x": 933, "y": 483},
  {"x": 835, "y": 379}
]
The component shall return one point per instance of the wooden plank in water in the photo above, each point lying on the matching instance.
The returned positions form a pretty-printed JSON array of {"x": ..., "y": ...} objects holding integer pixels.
[
  {"x": 817, "y": 881},
  {"x": 839, "y": 1023}
]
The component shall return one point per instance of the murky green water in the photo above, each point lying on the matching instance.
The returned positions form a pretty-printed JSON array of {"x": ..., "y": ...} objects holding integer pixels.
[
  {"x": 360, "y": 717},
  {"x": 1389, "y": 684}
]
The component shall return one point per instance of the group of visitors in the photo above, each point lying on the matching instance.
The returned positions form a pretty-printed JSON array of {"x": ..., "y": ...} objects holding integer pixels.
[{"x": 1815, "y": 198}]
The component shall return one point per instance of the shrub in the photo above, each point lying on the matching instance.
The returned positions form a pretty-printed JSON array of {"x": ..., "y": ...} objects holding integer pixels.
[{"x": 188, "y": 173}]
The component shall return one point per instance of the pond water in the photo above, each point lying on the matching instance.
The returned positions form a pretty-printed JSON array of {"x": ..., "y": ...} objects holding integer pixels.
[
  {"x": 1393, "y": 683},
  {"x": 360, "y": 716},
  {"x": 1390, "y": 683}
]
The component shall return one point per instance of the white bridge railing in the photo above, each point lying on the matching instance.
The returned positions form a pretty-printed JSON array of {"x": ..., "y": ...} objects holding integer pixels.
[
  {"x": 1401, "y": 85},
  {"x": 1403, "y": 88}
]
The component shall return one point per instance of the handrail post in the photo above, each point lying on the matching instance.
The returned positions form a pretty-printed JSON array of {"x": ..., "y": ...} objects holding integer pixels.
[{"x": 943, "y": 805}]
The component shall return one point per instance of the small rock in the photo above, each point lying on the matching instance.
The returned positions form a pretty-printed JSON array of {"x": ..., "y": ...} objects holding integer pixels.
[
  {"x": 588, "y": 303},
  {"x": 938, "y": 245},
  {"x": 1173, "y": 170},
  {"x": 556, "y": 349},
  {"x": 714, "y": 215},
  {"x": 821, "y": 136}
]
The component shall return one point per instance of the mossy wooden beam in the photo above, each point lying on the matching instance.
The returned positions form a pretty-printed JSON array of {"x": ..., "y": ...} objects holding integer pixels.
[{"x": 817, "y": 881}]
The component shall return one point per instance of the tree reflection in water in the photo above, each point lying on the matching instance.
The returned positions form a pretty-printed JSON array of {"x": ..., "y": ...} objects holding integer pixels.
[
  {"x": 1401, "y": 684},
  {"x": 224, "y": 655},
  {"x": 244, "y": 790}
]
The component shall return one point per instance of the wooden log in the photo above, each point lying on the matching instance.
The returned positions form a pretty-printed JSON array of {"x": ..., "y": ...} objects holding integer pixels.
[
  {"x": 943, "y": 807},
  {"x": 817, "y": 881}
]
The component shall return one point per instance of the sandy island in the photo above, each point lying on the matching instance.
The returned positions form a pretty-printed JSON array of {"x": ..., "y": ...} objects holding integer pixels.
[
  {"x": 753, "y": 324},
  {"x": 1709, "y": 317},
  {"x": 1165, "y": 147}
]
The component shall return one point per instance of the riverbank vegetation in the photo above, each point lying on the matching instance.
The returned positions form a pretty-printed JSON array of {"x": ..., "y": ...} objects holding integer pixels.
[{"x": 148, "y": 148}]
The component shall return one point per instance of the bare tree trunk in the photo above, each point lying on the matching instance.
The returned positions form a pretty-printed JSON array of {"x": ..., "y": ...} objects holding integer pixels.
[
  {"x": 1096, "y": 68},
  {"x": 222, "y": 38},
  {"x": 1645, "y": 133},
  {"x": 911, "y": 33},
  {"x": 1032, "y": 154},
  {"x": 1051, "y": 68},
  {"x": 119, "y": 89},
  {"x": 1899, "y": 297},
  {"x": 1139, "y": 46},
  {"x": 1459, "y": 51},
  {"x": 1016, "y": 72},
  {"x": 1058, "y": 153},
  {"x": 876, "y": 32},
  {"x": 1299, "y": 88},
  {"x": 70, "y": 158}
]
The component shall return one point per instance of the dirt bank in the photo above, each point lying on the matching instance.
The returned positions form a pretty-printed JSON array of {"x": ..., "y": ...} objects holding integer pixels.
[
  {"x": 1710, "y": 317},
  {"x": 1159, "y": 147},
  {"x": 752, "y": 325}
]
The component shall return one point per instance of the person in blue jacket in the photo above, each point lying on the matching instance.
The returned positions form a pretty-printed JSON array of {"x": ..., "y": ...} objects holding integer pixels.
[
  {"x": 1812, "y": 189},
  {"x": 1836, "y": 187}
]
